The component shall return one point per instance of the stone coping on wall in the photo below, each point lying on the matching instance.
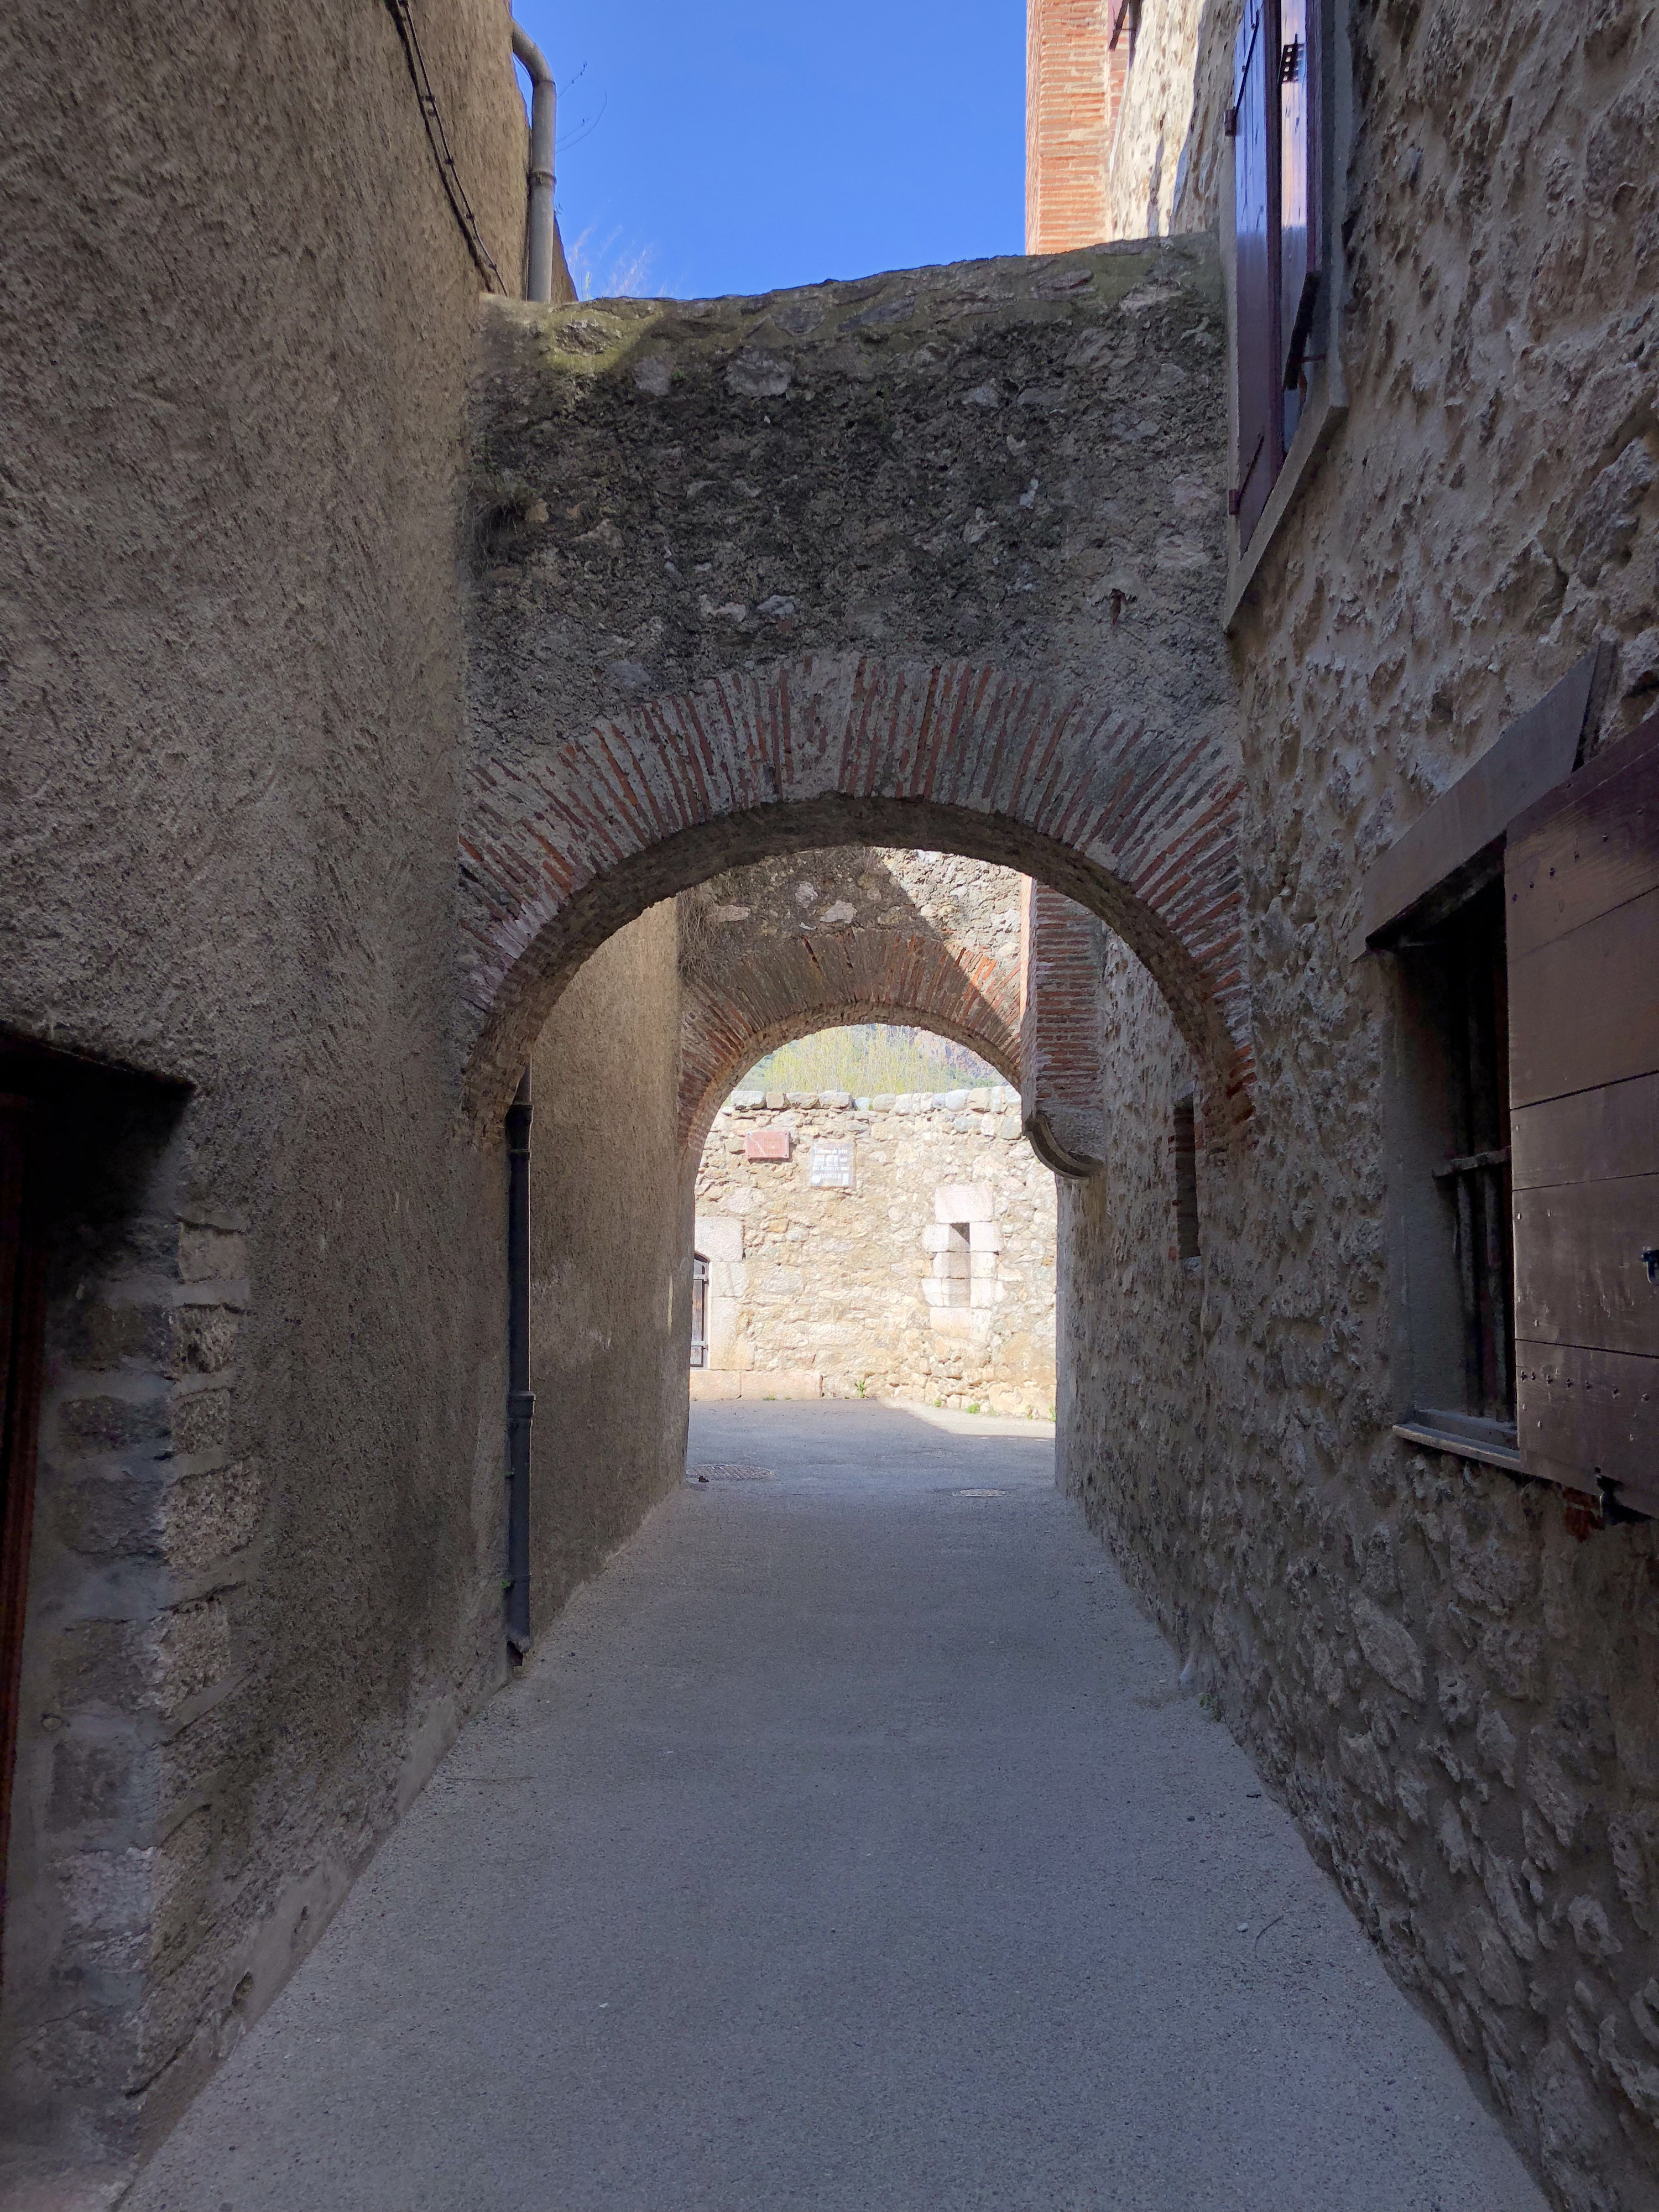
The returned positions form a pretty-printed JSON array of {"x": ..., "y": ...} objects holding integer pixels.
[{"x": 982, "y": 1098}]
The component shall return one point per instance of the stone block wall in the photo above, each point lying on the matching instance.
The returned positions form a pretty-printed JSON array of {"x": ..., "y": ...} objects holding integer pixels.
[
  {"x": 1451, "y": 1677},
  {"x": 932, "y": 1278}
]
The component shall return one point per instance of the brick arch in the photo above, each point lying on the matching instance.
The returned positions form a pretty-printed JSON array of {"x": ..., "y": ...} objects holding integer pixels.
[
  {"x": 827, "y": 979},
  {"x": 565, "y": 845}
]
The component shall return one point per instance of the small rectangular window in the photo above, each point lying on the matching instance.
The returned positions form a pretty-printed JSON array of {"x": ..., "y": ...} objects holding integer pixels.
[
  {"x": 953, "y": 1266},
  {"x": 699, "y": 1311},
  {"x": 1455, "y": 1248},
  {"x": 1474, "y": 1175},
  {"x": 1185, "y": 1180}
]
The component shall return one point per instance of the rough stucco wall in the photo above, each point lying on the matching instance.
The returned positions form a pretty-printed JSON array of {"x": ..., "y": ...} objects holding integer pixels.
[
  {"x": 929, "y": 463},
  {"x": 238, "y": 321},
  {"x": 848, "y": 1282},
  {"x": 1457, "y": 1697},
  {"x": 610, "y": 1317}
]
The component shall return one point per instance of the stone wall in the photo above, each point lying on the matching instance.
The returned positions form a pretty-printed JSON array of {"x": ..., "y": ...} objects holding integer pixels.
[
  {"x": 928, "y": 559},
  {"x": 814, "y": 940},
  {"x": 931, "y": 1278},
  {"x": 1452, "y": 1679}
]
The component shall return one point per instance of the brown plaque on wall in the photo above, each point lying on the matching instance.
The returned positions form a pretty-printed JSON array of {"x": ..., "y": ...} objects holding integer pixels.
[{"x": 767, "y": 1145}]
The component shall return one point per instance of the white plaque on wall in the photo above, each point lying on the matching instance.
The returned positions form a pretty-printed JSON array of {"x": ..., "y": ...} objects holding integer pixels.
[{"x": 832, "y": 1167}]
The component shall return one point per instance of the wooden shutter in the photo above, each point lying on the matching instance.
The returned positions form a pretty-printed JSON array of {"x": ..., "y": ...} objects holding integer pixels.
[
  {"x": 1299, "y": 182},
  {"x": 1581, "y": 876},
  {"x": 1255, "y": 227},
  {"x": 20, "y": 1405}
]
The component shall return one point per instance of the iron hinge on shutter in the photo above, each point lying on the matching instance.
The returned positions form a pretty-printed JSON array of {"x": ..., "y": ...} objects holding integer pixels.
[
  {"x": 1290, "y": 62},
  {"x": 1232, "y": 124}
]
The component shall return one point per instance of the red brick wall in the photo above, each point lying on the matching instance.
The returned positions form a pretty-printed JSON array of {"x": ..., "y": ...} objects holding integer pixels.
[
  {"x": 1059, "y": 1027},
  {"x": 1073, "y": 88}
]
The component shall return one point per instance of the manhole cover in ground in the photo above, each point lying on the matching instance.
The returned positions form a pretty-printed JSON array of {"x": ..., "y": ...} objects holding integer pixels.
[{"x": 730, "y": 1470}]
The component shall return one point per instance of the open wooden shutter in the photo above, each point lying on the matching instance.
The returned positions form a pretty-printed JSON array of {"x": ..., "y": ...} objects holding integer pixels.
[
  {"x": 1255, "y": 225},
  {"x": 1581, "y": 875},
  {"x": 1298, "y": 182}
]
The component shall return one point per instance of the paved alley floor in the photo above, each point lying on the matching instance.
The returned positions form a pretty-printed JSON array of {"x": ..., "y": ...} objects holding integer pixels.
[{"x": 848, "y": 1847}]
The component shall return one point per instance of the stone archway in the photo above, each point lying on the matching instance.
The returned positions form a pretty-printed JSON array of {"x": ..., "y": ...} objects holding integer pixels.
[
  {"x": 563, "y": 851},
  {"x": 930, "y": 560},
  {"x": 821, "y": 940}
]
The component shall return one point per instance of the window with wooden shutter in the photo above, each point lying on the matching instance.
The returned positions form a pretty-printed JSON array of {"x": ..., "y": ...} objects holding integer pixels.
[
  {"x": 1282, "y": 237},
  {"x": 1581, "y": 876},
  {"x": 1253, "y": 126},
  {"x": 1299, "y": 197}
]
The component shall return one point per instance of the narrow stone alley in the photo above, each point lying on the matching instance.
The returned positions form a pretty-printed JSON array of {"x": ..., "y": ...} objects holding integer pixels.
[{"x": 851, "y": 1847}]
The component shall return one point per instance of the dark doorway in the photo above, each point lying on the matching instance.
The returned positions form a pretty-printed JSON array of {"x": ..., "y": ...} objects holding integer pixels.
[{"x": 22, "y": 1275}]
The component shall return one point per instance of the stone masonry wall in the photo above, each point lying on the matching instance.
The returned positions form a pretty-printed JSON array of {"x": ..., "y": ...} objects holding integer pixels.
[
  {"x": 927, "y": 560},
  {"x": 1452, "y": 1679},
  {"x": 932, "y": 1278},
  {"x": 810, "y": 940}
]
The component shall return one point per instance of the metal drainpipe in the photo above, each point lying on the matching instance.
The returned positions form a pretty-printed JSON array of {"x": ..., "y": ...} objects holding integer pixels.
[
  {"x": 521, "y": 1400},
  {"x": 544, "y": 100}
]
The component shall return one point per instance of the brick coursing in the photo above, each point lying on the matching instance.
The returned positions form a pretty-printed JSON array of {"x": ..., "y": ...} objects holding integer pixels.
[
  {"x": 561, "y": 850},
  {"x": 1073, "y": 89},
  {"x": 1060, "y": 953},
  {"x": 830, "y": 978}
]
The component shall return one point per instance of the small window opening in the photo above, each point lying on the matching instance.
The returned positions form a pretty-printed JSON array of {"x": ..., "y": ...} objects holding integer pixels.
[
  {"x": 1473, "y": 1178},
  {"x": 1454, "y": 1243},
  {"x": 699, "y": 1311},
  {"x": 1185, "y": 1180},
  {"x": 954, "y": 1265}
]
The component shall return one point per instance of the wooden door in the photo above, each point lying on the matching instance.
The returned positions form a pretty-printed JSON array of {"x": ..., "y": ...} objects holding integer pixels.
[
  {"x": 1581, "y": 880},
  {"x": 20, "y": 1405}
]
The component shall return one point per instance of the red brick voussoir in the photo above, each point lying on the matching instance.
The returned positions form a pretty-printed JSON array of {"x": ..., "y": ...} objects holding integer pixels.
[
  {"x": 826, "y": 978},
  {"x": 563, "y": 847}
]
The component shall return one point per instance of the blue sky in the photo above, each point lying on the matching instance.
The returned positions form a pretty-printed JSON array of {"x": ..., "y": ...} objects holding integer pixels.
[{"x": 728, "y": 146}]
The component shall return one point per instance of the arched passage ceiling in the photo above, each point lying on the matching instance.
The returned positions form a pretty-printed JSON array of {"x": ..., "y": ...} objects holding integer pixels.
[
  {"x": 930, "y": 560},
  {"x": 775, "y": 951}
]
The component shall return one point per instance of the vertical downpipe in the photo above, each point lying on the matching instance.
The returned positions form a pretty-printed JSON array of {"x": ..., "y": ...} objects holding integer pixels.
[
  {"x": 521, "y": 1400},
  {"x": 542, "y": 103}
]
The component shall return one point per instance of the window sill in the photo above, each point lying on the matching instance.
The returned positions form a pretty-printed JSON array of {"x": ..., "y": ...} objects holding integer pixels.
[
  {"x": 1328, "y": 405},
  {"x": 1493, "y": 1444}
]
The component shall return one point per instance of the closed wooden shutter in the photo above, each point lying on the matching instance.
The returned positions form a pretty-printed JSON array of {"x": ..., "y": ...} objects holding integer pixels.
[
  {"x": 1298, "y": 184},
  {"x": 1582, "y": 878},
  {"x": 1255, "y": 225}
]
